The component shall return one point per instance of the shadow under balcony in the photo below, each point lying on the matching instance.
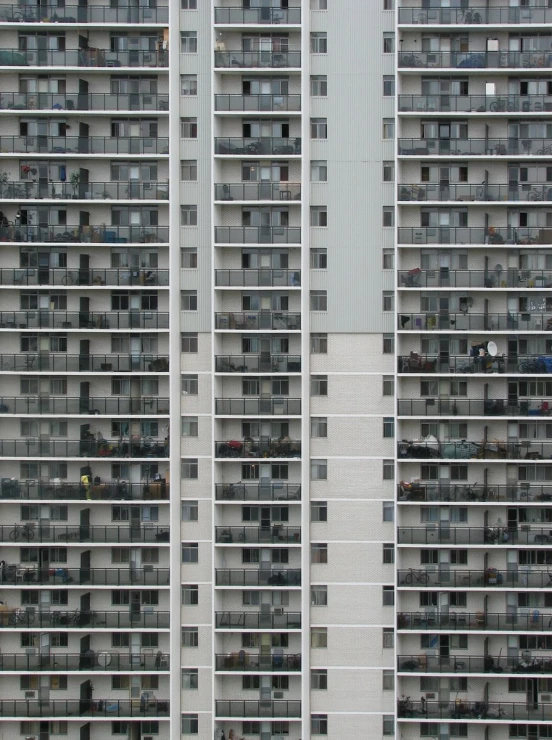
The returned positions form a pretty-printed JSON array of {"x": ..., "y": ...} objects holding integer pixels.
[
  {"x": 257, "y": 535},
  {"x": 445, "y": 278},
  {"x": 258, "y": 491},
  {"x": 263, "y": 447},
  {"x": 258, "y": 620},
  {"x": 109, "y": 661},
  {"x": 245, "y": 662},
  {"x": 260, "y": 103},
  {"x": 257, "y": 406},
  {"x": 512, "y": 407},
  {"x": 33, "y": 405},
  {"x": 84, "y": 363},
  {"x": 533, "y": 621},
  {"x": 433, "y": 491},
  {"x": 18, "y": 617},
  {"x": 481, "y": 579},
  {"x": 258, "y": 235},
  {"x": 254, "y": 320},
  {"x": 257, "y": 363},
  {"x": 447, "y": 534},
  {"x": 507, "y": 103},
  {"x": 258, "y": 278},
  {"x": 251, "y": 59},
  {"x": 258, "y": 577},
  {"x": 267, "y": 145},
  {"x": 476, "y": 15},
  {"x": 254, "y": 191},
  {"x": 471, "y": 450},
  {"x": 474, "y": 147}
]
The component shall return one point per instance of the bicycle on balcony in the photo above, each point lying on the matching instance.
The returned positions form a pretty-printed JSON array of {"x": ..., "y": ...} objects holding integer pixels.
[
  {"x": 416, "y": 576},
  {"x": 470, "y": 16},
  {"x": 22, "y": 617},
  {"x": 22, "y": 531},
  {"x": 532, "y": 366}
]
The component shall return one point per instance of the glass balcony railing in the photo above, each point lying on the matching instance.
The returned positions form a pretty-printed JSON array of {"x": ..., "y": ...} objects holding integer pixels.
[
  {"x": 507, "y": 103},
  {"x": 24, "y": 574},
  {"x": 256, "y": 535},
  {"x": 433, "y": 491},
  {"x": 472, "y": 664},
  {"x": 441, "y": 278},
  {"x": 488, "y": 578},
  {"x": 513, "y": 407},
  {"x": 475, "y": 147},
  {"x": 84, "y": 320},
  {"x": 112, "y": 662},
  {"x": 108, "y": 14},
  {"x": 481, "y": 620},
  {"x": 260, "y": 447},
  {"x": 474, "y": 235},
  {"x": 258, "y": 191},
  {"x": 257, "y": 363},
  {"x": 530, "y": 321},
  {"x": 81, "y": 57},
  {"x": 456, "y": 535},
  {"x": 258, "y": 16},
  {"x": 475, "y": 59},
  {"x": 109, "y": 708},
  {"x": 58, "y": 490},
  {"x": 527, "y": 449},
  {"x": 486, "y": 192},
  {"x": 30, "y": 616},
  {"x": 255, "y": 406},
  {"x": 32, "y": 405},
  {"x": 525, "y": 364},
  {"x": 133, "y": 190},
  {"x": 258, "y": 491},
  {"x": 256, "y": 320},
  {"x": 256, "y": 278},
  {"x": 258, "y": 235},
  {"x": 86, "y": 234},
  {"x": 101, "y": 448},
  {"x": 256, "y": 620},
  {"x": 247, "y": 59},
  {"x": 261, "y": 577},
  {"x": 474, "y": 710},
  {"x": 96, "y": 277},
  {"x": 61, "y": 362},
  {"x": 84, "y": 145},
  {"x": 272, "y": 103},
  {"x": 83, "y": 101},
  {"x": 539, "y": 13},
  {"x": 268, "y": 145},
  {"x": 257, "y": 662}
]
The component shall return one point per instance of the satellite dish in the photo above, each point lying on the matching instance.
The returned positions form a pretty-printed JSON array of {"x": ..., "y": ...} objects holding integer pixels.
[
  {"x": 492, "y": 349},
  {"x": 498, "y": 268}
]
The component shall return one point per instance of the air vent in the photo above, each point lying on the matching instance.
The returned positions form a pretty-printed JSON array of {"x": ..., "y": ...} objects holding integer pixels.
[
  {"x": 30, "y": 694},
  {"x": 278, "y": 694},
  {"x": 430, "y": 697},
  {"x": 546, "y": 697}
]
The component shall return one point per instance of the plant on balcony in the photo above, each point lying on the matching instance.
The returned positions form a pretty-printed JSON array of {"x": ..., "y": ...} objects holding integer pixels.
[{"x": 74, "y": 179}]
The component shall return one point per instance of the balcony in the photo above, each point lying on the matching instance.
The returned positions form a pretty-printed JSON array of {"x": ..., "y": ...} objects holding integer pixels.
[
  {"x": 445, "y": 534},
  {"x": 476, "y": 710},
  {"x": 254, "y": 191},
  {"x": 257, "y": 363},
  {"x": 33, "y": 405},
  {"x": 256, "y": 320},
  {"x": 445, "y": 278},
  {"x": 264, "y": 103},
  {"x": 57, "y": 102},
  {"x": 533, "y": 193},
  {"x": 127, "y": 14},
  {"x": 267, "y": 145},
  {"x": 251, "y": 59},
  {"x": 22, "y": 618},
  {"x": 524, "y": 364},
  {"x": 258, "y": 235},
  {"x": 61, "y": 362},
  {"x": 258, "y": 662},
  {"x": 257, "y": 535},
  {"x": 257, "y": 406},
  {"x": 25, "y": 574},
  {"x": 474, "y": 407},
  {"x": 260, "y": 577},
  {"x": 109, "y": 708},
  {"x": 95, "y": 277},
  {"x": 84, "y": 320},
  {"x": 103, "y": 448},
  {"x": 96, "y": 533},
  {"x": 133, "y": 190},
  {"x": 474, "y": 103},
  {"x": 263, "y": 447},
  {"x": 433, "y": 491},
  {"x": 259, "y": 491},
  {"x": 540, "y": 14},
  {"x": 261, "y": 709},
  {"x": 258, "y": 16},
  {"x": 84, "y": 145},
  {"x": 91, "y": 57},
  {"x": 265, "y": 278},
  {"x": 109, "y": 234},
  {"x": 467, "y": 450},
  {"x": 57, "y": 490},
  {"x": 109, "y": 661},
  {"x": 475, "y": 322},
  {"x": 533, "y": 621},
  {"x": 467, "y": 664},
  {"x": 256, "y": 620},
  {"x": 488, "y": 147},
  {"x": 483, "y": 579},
  {"x": 470, "y": 60}
]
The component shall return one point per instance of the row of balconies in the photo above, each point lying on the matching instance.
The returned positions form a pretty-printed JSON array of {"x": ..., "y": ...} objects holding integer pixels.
[
  {"x": 467, "y": 709},
  {"x": 94, "y": 277},
  {"x": 480, "y": 235},
  {"x": 262, "y": 447},
  {"x": 258, "y": 16},
  {"x": 265, "y": 576},
  {"x": 281, "y": 620},
  {"x": 78, "y": 101},
  {"x": 59, "y": 145},
  {"x": 464, "y": 321},
  {"x": 94, "y": 405},
  {"x": 449, "y": 103},
  {"x": 255, "y": 363},
  {"x": 264, "y": 277},
  {"x": 225, "y": 102},
  {"x": 447, "y": 534},
  {"x": 113, "y": 533},
  {"x": 56, "y": 190},
  {"x": 90, "y": 57},
  {"x": 459, "y": 407},
  {"x": 472, "y": 492},
  {"x": 89, "y": 708},
  {"x": 245, "y": 662},
  {"x": 253, "y": 146},
  {"x": 464, "y": 621},
  {"x": 44, "y": 319},
  {"x": 104, "y": 14},
  {"x": 22, "y": 618},
  {"x": 256, "y": 406},
  {"x": 102, "y": 490},
  {"x": 258, "y": 235},
  {"x": 475, "y": 146},
  {"x": 256, "y": 321},
  {"x": 265, "y": 708},
  {"x": 445, "y": 577},
  {"x": 110, "y": 234},
  {"x": 112, "y": 661},
  {"x": 97, "y": 363},
  {"x": 444, "y": 277},
  {"x": 447, "y": 364},
  {"x": 475, "y": 15},
  {"x": 467, "y": 61},
  {"x": 534, "y": 193},
  {"x": 26, "y": 574},
  {"x": 273, "y": 534},
  {"x": 101, "y": 448},
  {"x": 470, "y": 664},
  {"x": 431, "y": 448}
]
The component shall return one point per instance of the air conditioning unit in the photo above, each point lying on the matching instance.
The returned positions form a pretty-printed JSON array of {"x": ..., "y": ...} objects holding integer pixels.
[
  {"x": 279, "y": 610},
  {"x": 278, "y": 695},
  {"x": 30, "y": 651},
  {"x": 430, "y": 697},
  {"x": 546, "y": 697},
  {"x": 30, "y": 694}
]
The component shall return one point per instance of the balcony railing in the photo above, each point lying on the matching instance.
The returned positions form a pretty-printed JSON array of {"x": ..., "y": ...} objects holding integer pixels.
[
  {"x": 257, "y": 363},
  {"x": 472, "y": 664},
  {"x": 256, "y": 620},
  {"x": 477, "y": 14},
  {"x": 257, "y": 234},
  {"x": 465, "y": 450},
  {"x": 457, "y": 535},
  {"x": 81, "y": 57},
  {"x": 108, "y": 14},
  {"x": 429, "y": 491},
  {"x": 273, "y": 103},
  {"x": 84, "y": 320},
  {"x": 109, "y": 708},
  {"x": 33, "y": 405},
  {"x": 34, "y": 447},
  {"x": 84, "y": 145},
  {"x": 256, "y": 320},
  {"x": 259, "y": 492},
  {"x": 133, "y": 190},
  {"x": 268, "y": 535},
  {"x": 24, "y": 618},
  {"x": 258, "y": 16},
  {"x": 525, "y": 364},
  {"x": 261, "y": 577},
  {"x": 256, "y": 278},
  {"x": 253, "y": 662},
  {"x": 534, "y": 621},
  {"x": 248, "y": 59},
  {"x": 443, "y": 277},
  {"x": 84, "y": 101},
  {"x": 268, "y": 145},
  {"x": 83, "y": 533},
  {"x": 108, "y": 661},
  {"x": 258, "y": 191},
  {"x": 95, "y": 277},
  {"x": 257, "y": 406},
  {"x": 532, "y": 193},
  {"x": 261, "y": 709},
  {"x": 489, "y": 578},
  {"x": 22, "y": 575},
  {"x": 474, "y": 235},
  {"x": 479, "y": 147},
  {"x": 110, "y": 234},
  {"x": 261, "y": 447},
  {"x": 474, "y": 59},
  {"x": 475, "y": 321},
  {"x": 60, "y": 362},
  {"x": 506, "y": 103},
  {"x": 114, "y": 490},
  {"x": 474, "y": 407},
  {"x": 476, "y": 710}
]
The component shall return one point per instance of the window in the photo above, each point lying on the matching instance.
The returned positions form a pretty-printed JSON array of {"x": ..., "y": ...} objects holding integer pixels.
[
  {"x": 188, "y": 5},
  {"x": 388, "y": 511},
  {"x": 319, "y": 596},
  {"x": 188, "y": 42},
  {"x": 319, "y": 426},
  {"x": 188, "y": 128},
  {"x": 319, "y": 300},
  {"x": 190, "y": 595},
  {"x": 319, "y": 385},
  {"x": 388, "y": 300},
  {"x": 188, "y": 259},
  {"x": 188, "y": 215},
  {"x": 459, "y": 642},
  {"x": 388, "y": 553},
  {"x": 388, "y": 680},
  {"x": 318, "y": 5},
  {"x": 459, "y": 557},
  {"x": 119, "y": 728},
  {"x": 319, "y": 215},
  {"x": 189, "y": 469},
  {"x": 188, "y": 300},
  {"x": 190, "y": 552},
  {"x": 188, "y": 84},
  {"x": 189, "y": 385},
  {"x": 388, "y": 385},
  {"x": 319, "y": 128},
  {"x": 319, "y": 637},
  {"x": 190, "y": 637},
  {"x": 120, "y": 683},
  {"x": 319, "y": 86},
  {"x": 188, "y": 343},
  {"x": 388, "y": 172},
  {"x": 319, "y": 171},
  {"x": 319, "y": 511},
  {"x": 319, "y": 259},
  {"x": 388, "y": 427},
  {"x": 388, "y": 128},
  {"x": 319, "y": 724},
  {"x": 188, "y": 170},
  {"x": 388, "y": 215},
  {"x": 388, "y": 595},
  {"x": 319, "y": 470},
  {"x": 319, "y": 344},
  {"x": 319, "y": 43},
  {"x": 319, "y": 679},
  {"x": 319, "y": 553},
  {"x": 251, "y": 683},
  {"x": 190, "y": 724},
  {"x": 388, "y": 43},
  {"x": 388, "y": 344},
  {"x": 388, "y": 86},
  {"x": 388, "y": 721},
  {"x": 389, "y": 5},
  {"x": 189, "y": 678},
  {"x": 388, "y": 637},
  {"x": 190, "y": 511},
  {"x": 388, "y": 470}
]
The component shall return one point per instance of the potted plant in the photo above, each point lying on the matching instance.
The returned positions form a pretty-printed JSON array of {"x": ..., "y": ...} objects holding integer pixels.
[{"x": 74, "y": 179}]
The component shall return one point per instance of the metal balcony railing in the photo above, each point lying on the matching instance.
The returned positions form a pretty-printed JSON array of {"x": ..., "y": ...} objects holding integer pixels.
[
  {"x": 477, "y": 14},
  {"x": 433, "y": 491},
  {"x": 81, "y": 57},
  {"x": 259, "y": 16},
  {"x": 256, "y": 278},
  {"x": 253, "y": 662},
  {"x": 472, "y": 664},
  {"x": 533, "y": 621},
  {"x": 525, "y": 364},
  {"x": 24, "y": 574},
  {"x": 258, "y": 234},
  {"x": 77, "y": 619},
  {"x": 258, "y": 191},
  {"x": 248, "y": 59},
  {"x": 445, "y": 534},
  {"x": 257, "y": 406},
  {"x": 259, "y": 577},
  {"x": 85, "y": 234},
  {"x": 108, "y": 661},
  {"x": 253, "y": 708},
  {"x": 108, "y": 14},
  {"x": 95, "y": 276},
  {"x": 84, "y": 320},
  {"x": 507, "y": 103},
  {"x": 533, "y": 193},
  {"x": 133, "y": 190},
  {"x": 32, "y": 405},
  {"x": 465, "y": 450},
  {"x": 489, "y": 578},
  {"x": 256, "y": 620},
  {"x": 530, "y": 321},
  {"x": 109, "y": 708},
  {"x": 61, "y": 362},
  {"x": 268, "y": 145},
  {"x": 113, "y": 490},
  {"x": 412, "y": 58},
  {"x": 120, "y": 532},
  {"x": 474, "y": 235},
  {"x": 57, "y": 102},
  {"x": 476, "y": 710},
  {"x": 477, "y": 147},
  {"x": 103, "y": 448},
  {"x": 84, "y": 145},
  {"x": 258, "y": 491},
  {"x": 258, "y": 363},
  {"x": 272, "y": 103},
  {"x": 268, "y": 535},
  {"x": 513, "y": 407},
  {"x": 445, "y": 278},
  {"x": 261, "y": 447},
  {"x": 256, "y": 320}
]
